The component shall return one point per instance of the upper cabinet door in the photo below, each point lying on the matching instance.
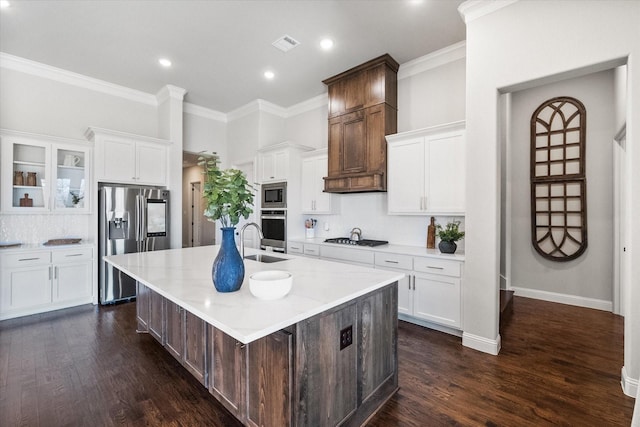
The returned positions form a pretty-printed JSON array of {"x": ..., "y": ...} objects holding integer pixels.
[
  {"x": 26, "y": 169},
  {"x": 151, "y": 159},
  {"x": 406, "y": 186},
  {"x": 118, "y": 160},
  {"x": 71, "y": 169},
  {"x": 446, "y": 173}
]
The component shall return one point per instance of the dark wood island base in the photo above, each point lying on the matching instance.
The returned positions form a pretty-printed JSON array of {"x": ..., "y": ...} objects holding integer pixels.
[{"x": 336, "y": 368}]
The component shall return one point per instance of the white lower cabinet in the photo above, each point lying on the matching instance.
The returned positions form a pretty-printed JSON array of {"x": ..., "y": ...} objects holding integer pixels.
[
  {"x": 431, "y": 290},
  {"x": 38, "y": 281}
]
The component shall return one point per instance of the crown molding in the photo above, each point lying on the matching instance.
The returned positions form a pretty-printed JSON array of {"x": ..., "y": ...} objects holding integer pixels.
[
  {"x": 474, "y": 9},
  {"x": 257, "y": 105},
  {"x": 38, "y": 69},
  {"x": 170, "y": 91},
  {"x": 433, "y": 60},
  {"x": 207, "y": 113},
  {"x": 319, "y": 101}
]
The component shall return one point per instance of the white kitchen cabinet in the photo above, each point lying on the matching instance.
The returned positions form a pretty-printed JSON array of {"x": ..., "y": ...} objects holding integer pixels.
[
  {"x": 72, "y": 275},
  {"x": 313, "y": 199},
  {"x": 44, "y": 280},
  {"x": 129, "y": 159},
  {"x": 431, "y": 290},
  {"x": 274, "y": 166},
  {"x": 277, "y": 162},
  {"x": 60, "y": 169},
  {"x": 306, "y": 249},
  {"x": 426, "y": 171}
]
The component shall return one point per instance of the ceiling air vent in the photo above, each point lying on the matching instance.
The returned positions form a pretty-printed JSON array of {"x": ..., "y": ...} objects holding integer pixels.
[{"x": 286, "y": 43}]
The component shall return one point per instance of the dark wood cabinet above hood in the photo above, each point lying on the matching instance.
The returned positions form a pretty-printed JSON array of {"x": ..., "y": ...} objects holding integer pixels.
[{"x": 363, "y": 105}]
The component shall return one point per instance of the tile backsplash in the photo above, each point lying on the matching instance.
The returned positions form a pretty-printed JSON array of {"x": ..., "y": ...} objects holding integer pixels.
[{"x": 35, "y": 229}]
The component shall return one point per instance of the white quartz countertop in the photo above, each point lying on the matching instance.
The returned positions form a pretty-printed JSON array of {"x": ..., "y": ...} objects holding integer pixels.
[
  {"x": 184, "y": 277},
  {"x": 389, "y": 248}
]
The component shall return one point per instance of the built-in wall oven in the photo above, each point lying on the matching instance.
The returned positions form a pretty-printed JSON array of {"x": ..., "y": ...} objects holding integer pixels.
[{"x": 274, "y": 229}]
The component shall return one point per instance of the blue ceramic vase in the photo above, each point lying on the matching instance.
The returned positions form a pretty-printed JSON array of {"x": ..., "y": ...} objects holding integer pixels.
[{"x": 228, "y": 269}]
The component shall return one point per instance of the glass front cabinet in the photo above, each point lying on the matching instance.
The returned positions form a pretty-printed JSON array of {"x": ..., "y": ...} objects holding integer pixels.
[{"x": 44, "y": 174}]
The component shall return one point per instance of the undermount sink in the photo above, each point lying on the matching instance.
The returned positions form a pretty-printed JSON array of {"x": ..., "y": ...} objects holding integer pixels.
[{"x": 264, "y": 258}]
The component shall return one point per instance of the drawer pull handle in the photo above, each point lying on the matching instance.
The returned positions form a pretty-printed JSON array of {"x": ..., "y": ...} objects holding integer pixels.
[
  {"x": 28, "y": 259},
  {"x": 435, "y": 268},
  {"x": 390, "y": 261},
  {"x": 74, "y": 255}
]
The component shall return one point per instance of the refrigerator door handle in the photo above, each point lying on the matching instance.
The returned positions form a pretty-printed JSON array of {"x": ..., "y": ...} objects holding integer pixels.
[{"x": 138, "y": 225}]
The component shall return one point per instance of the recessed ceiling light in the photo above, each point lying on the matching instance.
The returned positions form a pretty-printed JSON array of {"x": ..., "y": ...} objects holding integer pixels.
[
  {"x": 326, "y": 44},
  {"x": 269, "y": 75},
  {"x": 4, "y": 4},
  {"x": 164, "y": 62}
]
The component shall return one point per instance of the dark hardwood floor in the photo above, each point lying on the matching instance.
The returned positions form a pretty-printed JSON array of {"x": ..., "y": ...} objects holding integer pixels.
[{"x": 85, "y": 366}]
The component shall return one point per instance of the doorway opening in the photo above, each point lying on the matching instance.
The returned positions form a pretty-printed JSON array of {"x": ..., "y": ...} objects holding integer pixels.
[{"x": 595, "y": 279}]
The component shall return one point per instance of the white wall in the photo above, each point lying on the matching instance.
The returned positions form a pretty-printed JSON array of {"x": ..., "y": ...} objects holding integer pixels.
[
  {"x": 272, "y": 129},
  {"x": 243, "y": 135},
  {"x": 41, "y": 105},
  {"x": 309, "y": 128},
  {"x": 204, "y": 134},
  {"x": 590, "y": 275},
  {"x": 522, "y": 45},
  {"x": 432, "y": 97}
]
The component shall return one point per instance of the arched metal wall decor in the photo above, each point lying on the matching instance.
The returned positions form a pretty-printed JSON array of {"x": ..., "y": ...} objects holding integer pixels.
[{"x": 558, "y": 179}]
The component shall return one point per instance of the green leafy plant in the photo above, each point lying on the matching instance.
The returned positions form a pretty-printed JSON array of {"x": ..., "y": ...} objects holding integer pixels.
[
  {"x": 450, "y": 233},
  {"x": 227, "y": 193},
  {"x": 76, "y": 197}
]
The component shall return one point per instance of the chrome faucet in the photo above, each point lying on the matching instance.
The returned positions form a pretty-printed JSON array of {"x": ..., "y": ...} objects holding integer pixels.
[{"x": 242, "y": 235}]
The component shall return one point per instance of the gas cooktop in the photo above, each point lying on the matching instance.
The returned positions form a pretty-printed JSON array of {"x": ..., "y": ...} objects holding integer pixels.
[{"x": 363, "y": 242}]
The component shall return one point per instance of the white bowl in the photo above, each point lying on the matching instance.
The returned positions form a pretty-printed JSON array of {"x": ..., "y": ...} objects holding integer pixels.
[{"x": 271, "y": 284}]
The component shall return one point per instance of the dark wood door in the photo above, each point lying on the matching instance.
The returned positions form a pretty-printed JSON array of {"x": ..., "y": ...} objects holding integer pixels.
[
  {"x": 174, "y": 337},
  {"x": 354, "y": 143},
  {"x": 227, "y": 372},
  {"x": 270, "y": 380},
  {"x": 195, "y": 333},
  {"x": 156, "y": 309},
  {"x": 142, "y": 307}
]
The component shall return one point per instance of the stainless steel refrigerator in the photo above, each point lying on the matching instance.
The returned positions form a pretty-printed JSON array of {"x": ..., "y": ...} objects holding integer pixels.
[{"x": 131, "y": 219}]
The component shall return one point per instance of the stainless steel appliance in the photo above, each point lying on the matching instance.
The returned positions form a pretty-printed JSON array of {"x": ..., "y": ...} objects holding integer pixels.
[
  {"x": 130, "y": 219},
  {"x": 274, "y": 230},
  {"x": 361, "y": 242},
  {"x": 274, "y": 195}
]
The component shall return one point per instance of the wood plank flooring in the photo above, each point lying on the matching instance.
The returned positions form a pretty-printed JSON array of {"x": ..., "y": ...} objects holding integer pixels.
[{"x": 85, "y": 366}]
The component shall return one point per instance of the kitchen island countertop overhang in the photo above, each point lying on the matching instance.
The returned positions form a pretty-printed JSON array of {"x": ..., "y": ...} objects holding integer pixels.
[{"x": 183, "y": 276}]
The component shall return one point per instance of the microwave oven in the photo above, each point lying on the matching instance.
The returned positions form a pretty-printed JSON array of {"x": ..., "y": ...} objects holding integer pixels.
[{"x": 274, "y": 195}]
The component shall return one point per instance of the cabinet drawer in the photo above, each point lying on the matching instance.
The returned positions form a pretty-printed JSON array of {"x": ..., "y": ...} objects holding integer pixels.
[
  {"x": 71, "y": 255},
  {"x": 295, "y": 248},
  {"x": 437, "y": 266},
  {"x": 25, "y": 259},
  {"x": 404, "y": 262},
  {"x": 346, "y": 255},
  {"x": 311, "y": 249}
]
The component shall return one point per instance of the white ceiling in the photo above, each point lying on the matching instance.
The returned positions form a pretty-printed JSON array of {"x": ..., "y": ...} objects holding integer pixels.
[{"x": 220, "y": 49}]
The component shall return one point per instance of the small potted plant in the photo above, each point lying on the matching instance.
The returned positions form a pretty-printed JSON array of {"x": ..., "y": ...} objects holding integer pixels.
[
  {"x": 227, "y": 197},
  {"x": 76, "y": 198},
  {"x": 449, "y": 235}
]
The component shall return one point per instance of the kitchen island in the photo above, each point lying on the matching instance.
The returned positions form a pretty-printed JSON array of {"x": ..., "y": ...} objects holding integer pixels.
[{"x": 326, "y": 354}]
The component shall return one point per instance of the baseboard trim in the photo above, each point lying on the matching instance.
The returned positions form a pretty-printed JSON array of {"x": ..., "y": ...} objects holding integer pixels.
[
  {"x": 483, "y": 344},
  {"x": 629, "y": 385},
  {"x": 564, "y": 298},
  {"x": 426, "y": 324}
]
